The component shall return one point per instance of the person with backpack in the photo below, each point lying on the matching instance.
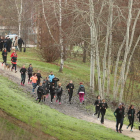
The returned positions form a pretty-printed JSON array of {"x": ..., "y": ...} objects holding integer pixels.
[
  {"x": 70, "y": 88},
  {"x": 119, "y": 114},
  {"x": 97, "y": 106},
  {"x": 39, "y": 92},
  {"x": 38, "y": 77},
  {"x": 34, "y": 82},
  {"x": 51, "y": 76},
  {"x": 4, "y": 56},
  {"x": 30, "y": 71},
  {"x": 14, "y": 62},
  {"x": 81, "y": 92},
  {"x": 23, "y": 75},
  {"x": 103, "y": 106},
  {"x": 131, "y": 116},
  {"x": 59, "y": 93}
]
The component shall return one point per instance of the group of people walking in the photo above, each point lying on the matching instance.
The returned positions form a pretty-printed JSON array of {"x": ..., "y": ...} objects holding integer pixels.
[
  {"x": 119, "y": 113},
  {"x": 7, "y": 43},
  {"x": 50, "y": 85}
]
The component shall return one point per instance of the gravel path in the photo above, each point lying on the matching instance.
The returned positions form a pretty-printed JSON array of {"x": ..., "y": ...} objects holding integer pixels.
[{"x": 74, "y": 110}]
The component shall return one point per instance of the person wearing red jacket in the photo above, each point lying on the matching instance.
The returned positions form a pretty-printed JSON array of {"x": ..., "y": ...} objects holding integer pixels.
[
  {"x": 12, "y": 54},
  {"x": 14, "y": 61}
]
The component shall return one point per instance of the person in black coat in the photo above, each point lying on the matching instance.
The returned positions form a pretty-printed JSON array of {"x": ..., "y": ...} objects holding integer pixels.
[
  {"x": 39, "y": 92},
  {"x": 54, "y": 81},
  {"x": 119, "y": 114},
  {"x": 30, "y": 73},
  {"x": 59, "y": 93},
  {"x": 70, "y": 88},
  {"x": 52, "y": 91},
  {"x": 1, "y": 43},
  {"x": 97, "y": 106},
  {"x": 20, "y": 42},
  {"x": 38, "y": 77},
  {"x": 103, "y": 106},
  {"x": 23, "y": 74},
  {"x": 9, "y": 44},
  {"x": 4, "y": 56},
  {"x": 138, "y": 115},
  {"x": 46, "y": 87},
  {"x": 131, "y": 116}
]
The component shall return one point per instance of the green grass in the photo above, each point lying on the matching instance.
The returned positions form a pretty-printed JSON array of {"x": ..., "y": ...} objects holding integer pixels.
[
  {"x": 74, "y": 69},
  {"x": 10, "y": 130},
  {"x": 18, "y": 104}
]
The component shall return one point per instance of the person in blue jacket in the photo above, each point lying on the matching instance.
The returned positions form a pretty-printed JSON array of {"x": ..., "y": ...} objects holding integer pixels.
[{"x": 51, "y": 76}]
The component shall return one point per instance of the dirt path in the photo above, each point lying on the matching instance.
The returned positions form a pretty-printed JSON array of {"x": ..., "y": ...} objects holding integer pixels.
[{"x": 73, "y": 110}]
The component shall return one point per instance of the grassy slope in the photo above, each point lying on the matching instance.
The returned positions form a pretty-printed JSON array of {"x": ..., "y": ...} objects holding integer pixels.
[
  {"x": 22, "y": 107},
  {"x": 11, "y": 131},
  {"x": 74, "y": 69}
]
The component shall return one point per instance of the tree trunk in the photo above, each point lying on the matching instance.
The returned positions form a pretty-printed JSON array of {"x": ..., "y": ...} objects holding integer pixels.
[
  {"x": 61, "y": 37},
  {"x": 92, "y": 44},
  {"x": 84, "y": 52}
]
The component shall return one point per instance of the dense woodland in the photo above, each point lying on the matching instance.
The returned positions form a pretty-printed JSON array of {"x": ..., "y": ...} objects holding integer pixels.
[{"x": 107, "y": 31}]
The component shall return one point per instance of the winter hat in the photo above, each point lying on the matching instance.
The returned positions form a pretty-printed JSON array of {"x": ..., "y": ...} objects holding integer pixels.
[
  {"x": 120, "y": 104},
  {"x": 81, "y": 83}
]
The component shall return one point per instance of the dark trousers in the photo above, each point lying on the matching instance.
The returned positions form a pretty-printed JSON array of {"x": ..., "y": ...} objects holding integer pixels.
[
  {"x": 70, "y": 95},
  {"x": 14, "y": 66},
  {"x": 52, "y": 95},
  {"x": 38, "y": 81},
  {"x": 20, "y": 47},
  {"x": 131, "y": 122},
  {"x": 118, "y": 121},
  {"x": 97, "y": 111},
  {"x": 23, "y": 77},
  {"x": 103, "y": 111},
  {"x": 29, "y": 76},
  {"x": 58, "y": 97},
  {"x": 4, "y": 59}
]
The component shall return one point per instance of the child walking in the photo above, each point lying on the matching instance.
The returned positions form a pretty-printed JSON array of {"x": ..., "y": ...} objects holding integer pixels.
[
  {"x": 131, "y": 116},
  {"x": 81, "y": 92},
  {"x": 4, "y": 56},
  {"x": 14, "y": 61},
  {"x": 70, "y": 88},
  {"x": 23, "y": 74},
  {"x": 59, "y": 93},
  {"x": 103, "y": 107}
]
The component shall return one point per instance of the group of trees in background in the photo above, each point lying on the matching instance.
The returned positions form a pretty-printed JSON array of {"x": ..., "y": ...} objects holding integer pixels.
[{"x": 107, "y": 30}]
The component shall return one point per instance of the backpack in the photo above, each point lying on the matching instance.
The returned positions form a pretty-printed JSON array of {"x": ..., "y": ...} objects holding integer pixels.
[{"x": 82, "y": 89}]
